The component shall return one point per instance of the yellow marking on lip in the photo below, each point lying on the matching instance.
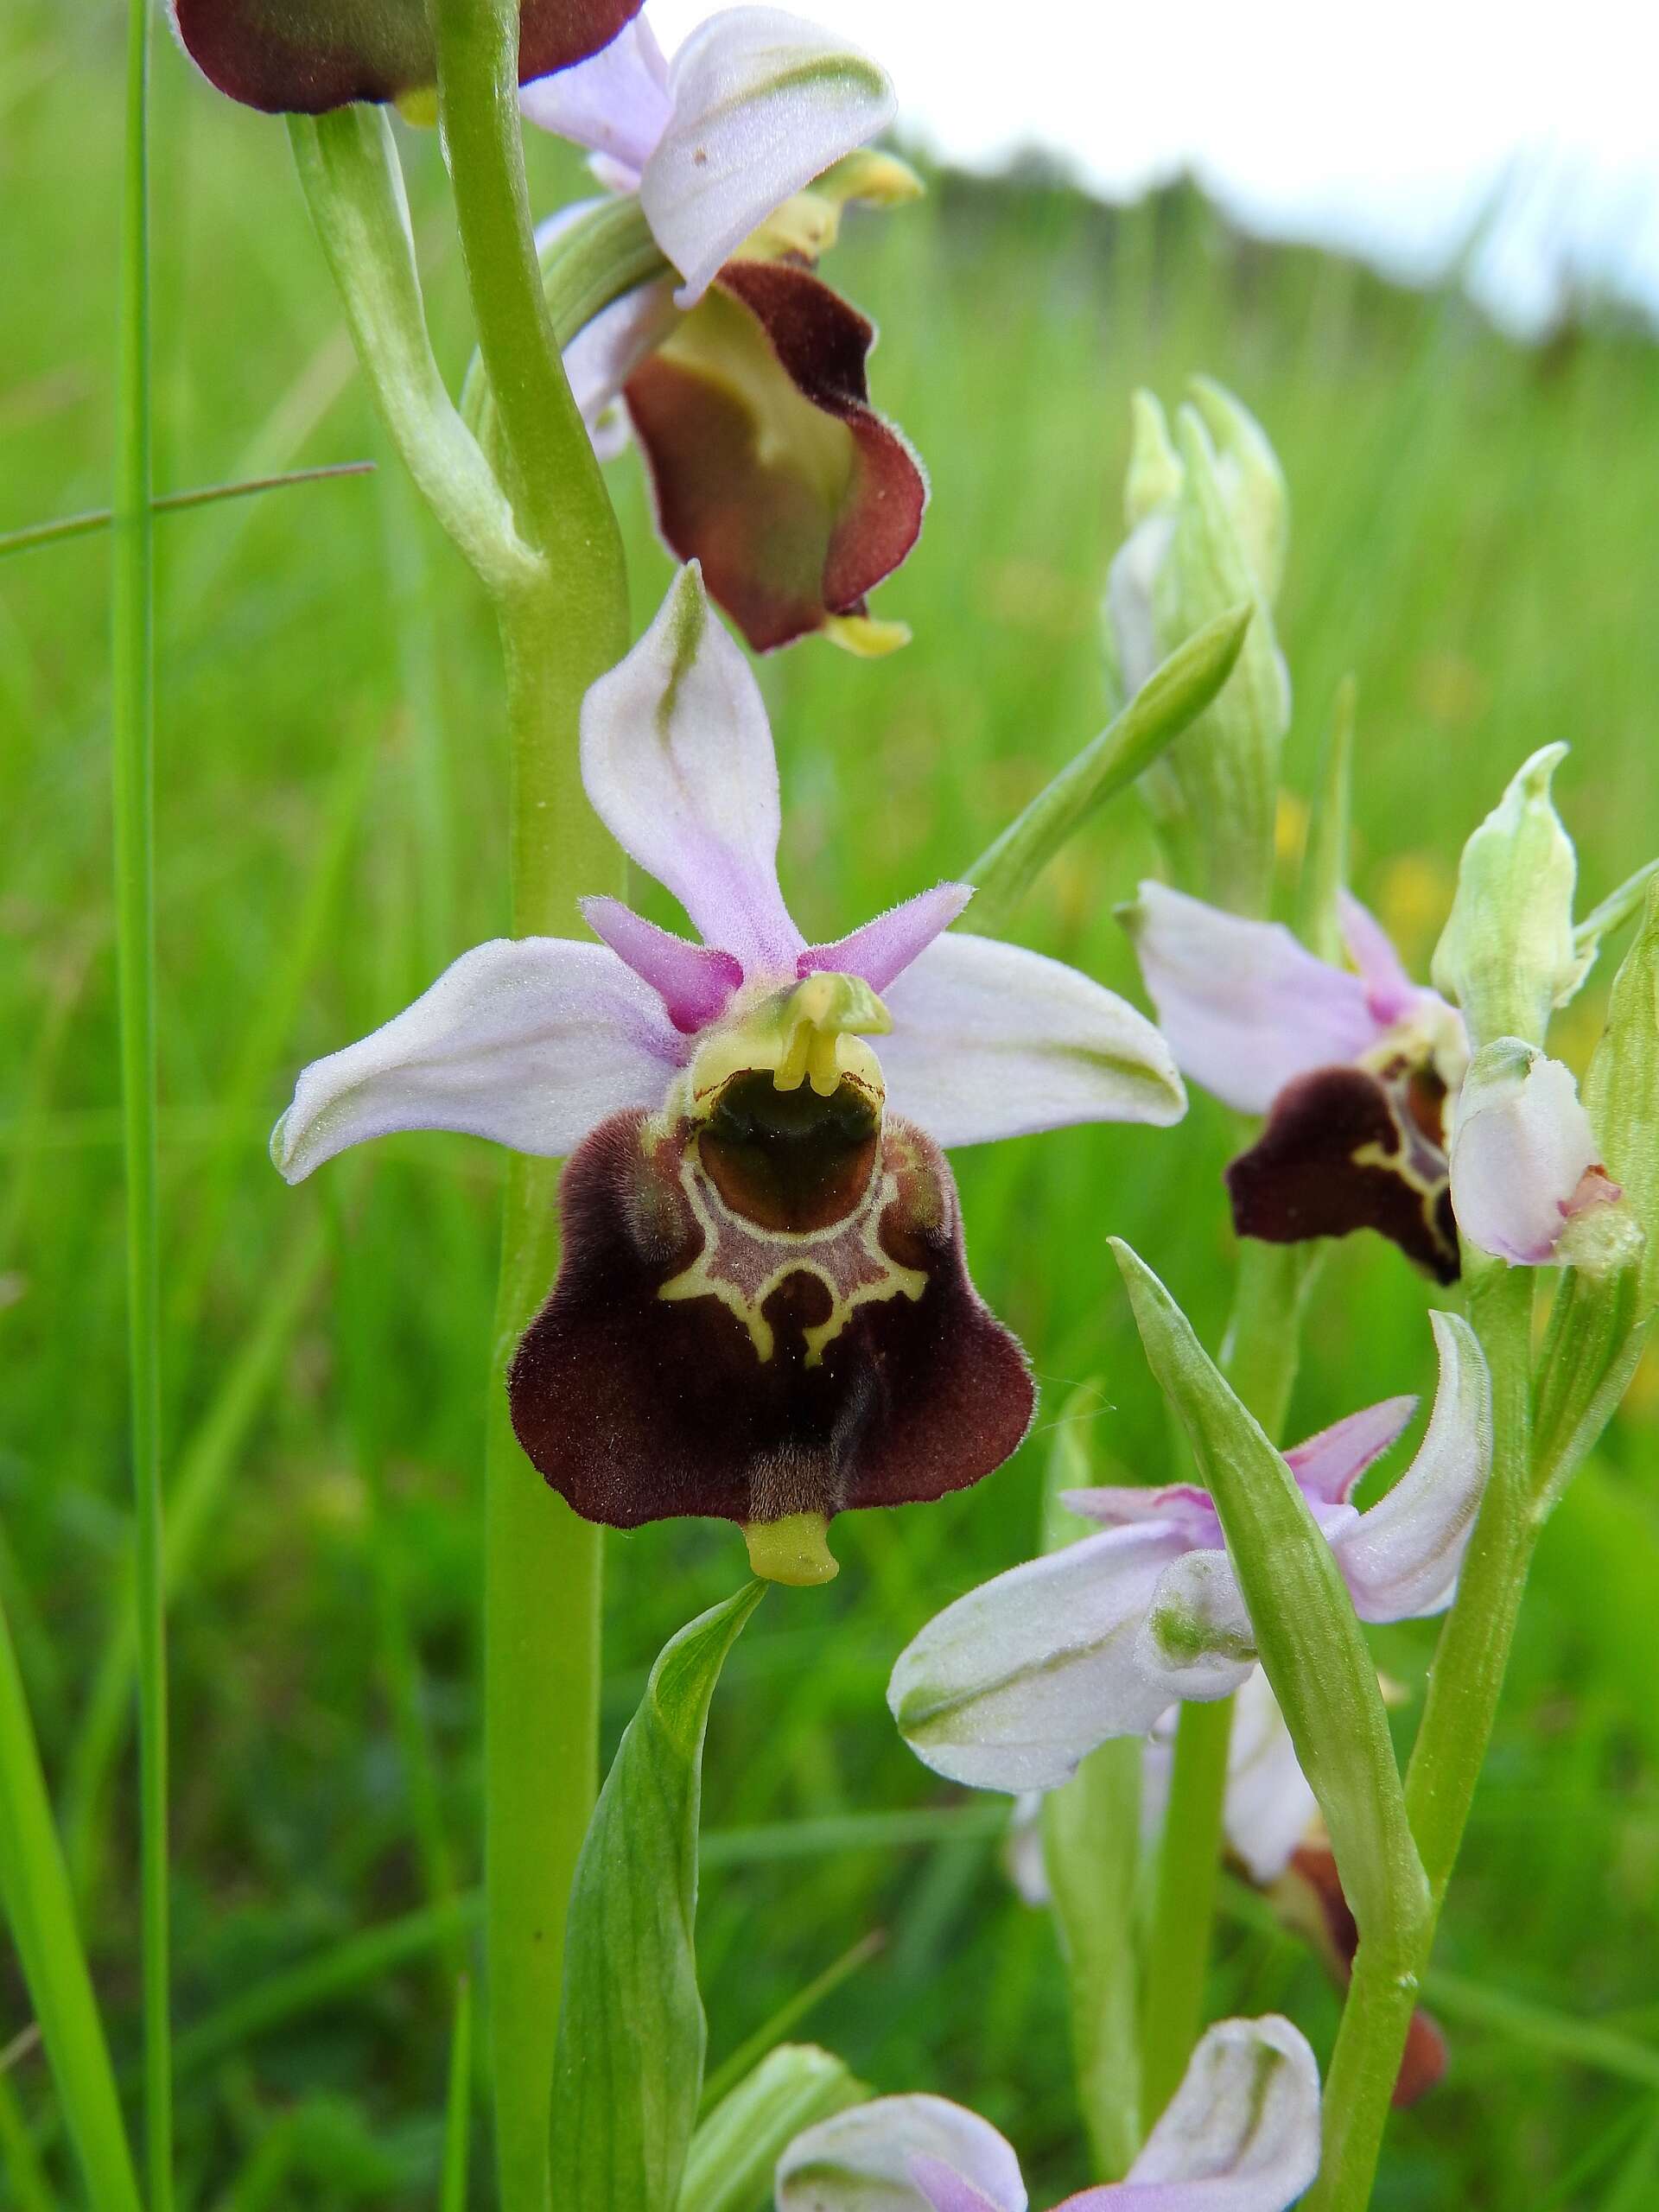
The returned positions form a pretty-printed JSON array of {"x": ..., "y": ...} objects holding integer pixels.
[{"x": 875, "y": 1275}]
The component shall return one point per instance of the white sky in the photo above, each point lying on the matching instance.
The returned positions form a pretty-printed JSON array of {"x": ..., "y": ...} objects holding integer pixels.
[{"x": 1392, "y": 126}]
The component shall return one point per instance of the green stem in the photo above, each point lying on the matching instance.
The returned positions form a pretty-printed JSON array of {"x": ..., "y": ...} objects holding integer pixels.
[
  {"x": 1465, "y": 1686},
  {"x": 133, "y": 710},
  {"x": 560, "y": 632},
  {"x": 1189, "y": 1873},
  {"x": 1258, "y": 1357},
  {"x": 1466, "y": 1680}
]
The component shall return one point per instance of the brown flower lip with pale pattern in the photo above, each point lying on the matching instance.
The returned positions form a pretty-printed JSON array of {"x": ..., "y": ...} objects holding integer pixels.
[{"x": 305, "y": 57}]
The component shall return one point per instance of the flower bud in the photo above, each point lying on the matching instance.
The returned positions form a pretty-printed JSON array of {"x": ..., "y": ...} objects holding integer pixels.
[
  {"x": 1207, "y": 518},
  {"x": 1506, "y": 954}
]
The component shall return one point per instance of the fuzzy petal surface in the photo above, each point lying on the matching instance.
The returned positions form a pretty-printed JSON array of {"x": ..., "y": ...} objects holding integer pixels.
[
  {"x": 693, "y": 981},
  {"x": 1401, "y": 1559},
  {"x": 529, "y": 1041},
  {"x": 1245, "y": 1008},
  {"x": 863, "y": 2160},
  {"x": 677, "y": 757},
  {"x": 990, "y": 1040},
  {"x": 760, "y": 102},
  {"x": 883, "y": 949},
  {"x": 1328, "y": 1464}
]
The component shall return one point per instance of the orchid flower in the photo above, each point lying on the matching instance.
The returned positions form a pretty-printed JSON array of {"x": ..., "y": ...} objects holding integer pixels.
[
  {"x": 763, "y": 1310},
  {"x": 1009, "y": 1687},
  {"x": 1241, "y": 2134},
  {"x": 1362, "y": 1074},
  {"x": 744, "y": 381},
  {"x": 304, "y": 57}
]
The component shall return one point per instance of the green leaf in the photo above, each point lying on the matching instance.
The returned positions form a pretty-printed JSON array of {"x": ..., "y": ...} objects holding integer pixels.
[
  {"x": 628, "y": 2074},
  {"x": 1171, "y": 699},
  {"x": 41, "y": 1918},
  {"x": 736, "y": 2150},
  {"x": 1309, "y": 1641}
]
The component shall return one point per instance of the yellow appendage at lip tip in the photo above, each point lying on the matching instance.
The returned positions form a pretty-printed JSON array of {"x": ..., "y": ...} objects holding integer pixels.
[
  {"x": 794, "y": 1550},
  {"x": 418, "y": 104}
]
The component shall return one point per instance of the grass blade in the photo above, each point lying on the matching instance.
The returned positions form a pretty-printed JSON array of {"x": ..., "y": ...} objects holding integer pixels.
[
  {"x": 35, "y": 1890},
  {"x": 132, "y": 731}
]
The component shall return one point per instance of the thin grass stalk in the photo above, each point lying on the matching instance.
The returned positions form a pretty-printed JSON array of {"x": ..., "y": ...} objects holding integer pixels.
[
  {"x": 457, "y": 2125},
  {"x": 133, "y": 731},
  {"x": 41, "y": 1917}
]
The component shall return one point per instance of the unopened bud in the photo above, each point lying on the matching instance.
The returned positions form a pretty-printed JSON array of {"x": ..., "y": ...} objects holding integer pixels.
[
  {"x": 1506, "y": 955},
  {"x": 1207, "y": 518}
]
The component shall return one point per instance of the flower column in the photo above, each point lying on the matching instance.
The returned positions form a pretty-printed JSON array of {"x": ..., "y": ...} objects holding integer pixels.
[{"x": 564, "y": 626}]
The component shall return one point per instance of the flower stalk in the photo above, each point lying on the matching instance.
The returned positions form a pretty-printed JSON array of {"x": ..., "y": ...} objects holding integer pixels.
[
  {"x": 563, "y": 625},
  {"x": 1465, "y": 1686}
]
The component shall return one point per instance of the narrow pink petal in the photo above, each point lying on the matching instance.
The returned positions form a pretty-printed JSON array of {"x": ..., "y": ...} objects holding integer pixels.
[
  {"x": 693, "y": 981},
  {"x": 1401, "y": 1559},
  {"x": 883, "y": 949},
  {"x": 677, "y": 757},
  {"x": 1245, "y": 1008},
  {"x": 1389, "y": 991},
  {"x": 1328, "y": 1464},
  {"x": 615, "y": 103}
]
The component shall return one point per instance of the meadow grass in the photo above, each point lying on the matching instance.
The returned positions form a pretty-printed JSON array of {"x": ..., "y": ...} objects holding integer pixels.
[{"x": 1475, "y": 537}]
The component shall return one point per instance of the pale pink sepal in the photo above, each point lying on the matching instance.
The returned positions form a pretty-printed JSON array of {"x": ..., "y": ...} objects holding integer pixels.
[
  {"x": 1245, "y": 1008},
  {"x": 990, "y": 1040},
  {"x": 677, "y": 757},
  {"x": 529, "y": 1041},
  {"x": 762, "y": 102}
]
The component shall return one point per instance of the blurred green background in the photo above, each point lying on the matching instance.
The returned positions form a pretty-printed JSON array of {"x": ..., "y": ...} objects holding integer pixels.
[{"x": 1476, "y": 536}]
